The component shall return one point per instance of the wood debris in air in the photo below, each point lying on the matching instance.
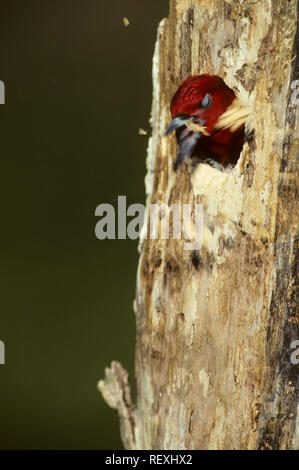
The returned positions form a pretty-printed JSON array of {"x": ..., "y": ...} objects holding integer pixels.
[
  {"x": 126, "y": 22},
  {"x": 141, "y": 131}
]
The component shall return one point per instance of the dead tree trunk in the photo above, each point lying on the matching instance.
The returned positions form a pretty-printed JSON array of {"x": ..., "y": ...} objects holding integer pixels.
[{"x": 216, "y": 327}]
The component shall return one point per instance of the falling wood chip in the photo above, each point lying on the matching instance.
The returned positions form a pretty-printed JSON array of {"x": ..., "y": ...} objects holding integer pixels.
[
  {"x": 126, "y": 22},
  {"x": 142, "y": 131}
]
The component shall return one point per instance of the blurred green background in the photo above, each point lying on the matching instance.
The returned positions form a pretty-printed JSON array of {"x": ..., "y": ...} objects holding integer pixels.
[{"x": 78, "y": 87}]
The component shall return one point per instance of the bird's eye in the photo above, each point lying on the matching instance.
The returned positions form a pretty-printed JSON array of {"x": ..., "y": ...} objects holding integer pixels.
[{"x": 206, "y": 101}]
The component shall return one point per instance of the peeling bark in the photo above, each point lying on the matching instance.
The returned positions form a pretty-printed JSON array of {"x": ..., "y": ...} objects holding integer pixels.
[
  {"x": 215, "y": 326},
  {"x": 116, "y": 391}
]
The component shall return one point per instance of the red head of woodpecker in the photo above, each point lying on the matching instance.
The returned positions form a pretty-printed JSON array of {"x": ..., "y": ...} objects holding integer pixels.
[{"x": 197, "y": 110}]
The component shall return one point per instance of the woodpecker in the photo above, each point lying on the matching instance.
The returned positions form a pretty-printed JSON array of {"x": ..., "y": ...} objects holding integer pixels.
[{"x": 209, "y": 122}]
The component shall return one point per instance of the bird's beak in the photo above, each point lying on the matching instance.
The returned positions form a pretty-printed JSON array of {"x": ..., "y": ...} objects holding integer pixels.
[
  {"x": 177, "y": 122},
  {"x": 187, "y": 138}
]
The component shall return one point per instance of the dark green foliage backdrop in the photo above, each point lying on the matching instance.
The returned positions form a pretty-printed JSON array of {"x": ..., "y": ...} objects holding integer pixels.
[{"x": 78, "y": 87}]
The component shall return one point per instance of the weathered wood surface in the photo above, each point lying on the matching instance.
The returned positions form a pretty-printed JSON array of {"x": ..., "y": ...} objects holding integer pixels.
[{"x": 215, "y": 326}]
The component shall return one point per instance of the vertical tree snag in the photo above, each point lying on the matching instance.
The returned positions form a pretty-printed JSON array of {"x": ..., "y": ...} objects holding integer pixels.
[{"x": 215, "y": 326}]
